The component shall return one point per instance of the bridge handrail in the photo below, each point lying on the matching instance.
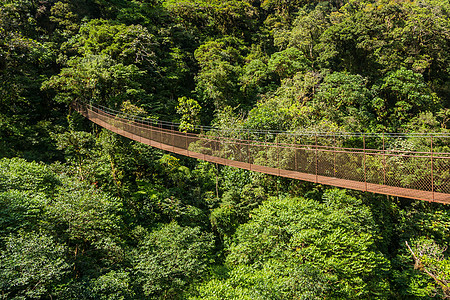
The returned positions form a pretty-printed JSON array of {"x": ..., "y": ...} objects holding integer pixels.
[
  {"x": 173, "y": 127},
  {"x": 413, "y": 174},
  {"x": 250, "y": 130}
]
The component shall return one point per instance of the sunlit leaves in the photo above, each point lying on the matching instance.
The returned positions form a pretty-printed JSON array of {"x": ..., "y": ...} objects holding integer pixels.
[
  {"x": 344, "y": 99},
  {"x": 274, "y": 280},
  {"x": 18, "y": 174},
  {"x": 336, "y": 237},
  {"x": 288, "y": 62},
  {"x": 308, "y": 27},
  {"x": 114, "y": 285},
  {"x": 429, "y": 258},
  {"x": 30, "y": 264},
  {"x": 220, "y": 62},
  {"x": 85, "y": 214},
  {"x": 172, "y": 257},
  {"x": 20, "y": 210},
  {"x": 126, "y": 44},
  {"x": 96, "y": 79},
  {"x": 224, "y": 17},
  {"x": 406, "y": 94},
  {"x": 189, "y": 110}
]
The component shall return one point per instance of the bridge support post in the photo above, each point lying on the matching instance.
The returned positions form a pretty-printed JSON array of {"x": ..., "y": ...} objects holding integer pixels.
[
  {"x": 295, "y": 154},
  {"x": 140, "y": 132},
  {"x": 384, "y": 161},
  {"x": 186, "y": 143},
  {"x": 432, "y": 175},
  {"x": 364, "y": 162},
  {"x": 317, "y": 161},
  {"x": 334, "y": 154},
  {"x": 160, "y": 135},
  {"x": 151, "y": 131},
  {"x": 248, "y": 152},
  {"x": 278, "y": 155},
  {"x": 173, "y": 139},
  {"x": 219, "y": 141}
]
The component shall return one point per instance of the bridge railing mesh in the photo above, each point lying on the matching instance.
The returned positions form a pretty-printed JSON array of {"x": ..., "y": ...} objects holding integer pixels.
[{"x": 381, "y": 163}]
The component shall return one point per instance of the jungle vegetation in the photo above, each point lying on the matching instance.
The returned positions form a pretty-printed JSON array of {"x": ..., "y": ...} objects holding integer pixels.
[{"x": 88, "y": 214}]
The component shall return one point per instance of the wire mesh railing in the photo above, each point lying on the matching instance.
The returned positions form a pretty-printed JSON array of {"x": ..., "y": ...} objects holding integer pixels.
[{"x": 380, "y": 163}]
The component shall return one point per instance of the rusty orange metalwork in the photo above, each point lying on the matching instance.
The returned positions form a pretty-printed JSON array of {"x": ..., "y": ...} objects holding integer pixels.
[{"x": 324, "y": 158}]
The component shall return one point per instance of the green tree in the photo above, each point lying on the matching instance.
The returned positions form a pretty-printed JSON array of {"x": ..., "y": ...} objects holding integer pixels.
[
  {"x": 32, "y": 265},
  {"x": 21, "y": 210},
  {"x": 288, "y": 62},
  {"x": 25, "y": 62},
  {"x": 429, "y": 258},
  {"x": 90, "y": 223},
  {"x": 18, "y": 174},
  {"x": 189, "y": 110},
  {"x": 307, "y": 29},
  {"x": 78, "y": 146},
  {"x": 97, "y": 79},
  {"x": 336, "y": 236},
  {"x": 344, "y": 99},
  {"x": 290, "y": 106},
  {"x": 213, "y": 18},
  {"x": 171, "y": 258},
  {"x": 132, "y": 44},
  {"x": 220, "y": 68},
  {"x": 256, "y": 78},
  {"x": 420, "y": 223},
  {"x": 273, "y": 280},
  {"x": 402, "y": 95},
  {"x": 114, "y": 285}
]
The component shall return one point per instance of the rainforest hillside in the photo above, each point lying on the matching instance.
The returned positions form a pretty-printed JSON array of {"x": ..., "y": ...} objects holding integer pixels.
[{"x": 88, "y": 214}]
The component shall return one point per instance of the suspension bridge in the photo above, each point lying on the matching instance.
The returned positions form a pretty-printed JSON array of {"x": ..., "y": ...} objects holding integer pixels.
[{"x": 377, "y": 163}]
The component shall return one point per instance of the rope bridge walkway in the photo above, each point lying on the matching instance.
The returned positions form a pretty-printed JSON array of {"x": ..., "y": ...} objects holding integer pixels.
[{"x": 378, "y": 163}]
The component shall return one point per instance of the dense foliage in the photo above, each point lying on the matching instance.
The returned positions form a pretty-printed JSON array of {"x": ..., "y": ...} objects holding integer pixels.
[{"x": 87, "y": 214}]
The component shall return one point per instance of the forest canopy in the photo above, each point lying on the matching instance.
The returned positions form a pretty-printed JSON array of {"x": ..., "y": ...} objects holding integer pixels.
[{"x": 88, "y": 214}]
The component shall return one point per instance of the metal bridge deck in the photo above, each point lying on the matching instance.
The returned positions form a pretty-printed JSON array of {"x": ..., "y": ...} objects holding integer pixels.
[{"x": 415, "y": 175}]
